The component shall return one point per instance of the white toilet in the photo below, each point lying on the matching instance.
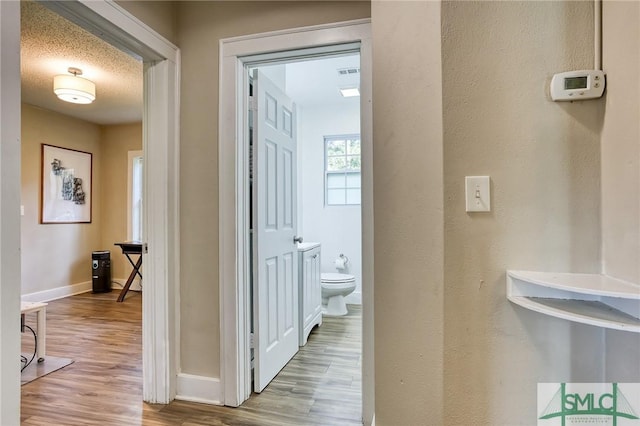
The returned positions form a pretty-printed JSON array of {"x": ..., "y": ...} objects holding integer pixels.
[{"x": 335, "y": 287}]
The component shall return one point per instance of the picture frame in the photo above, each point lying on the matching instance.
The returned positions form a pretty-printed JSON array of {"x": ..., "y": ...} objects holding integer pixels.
[{"x": 66, "y": 185}]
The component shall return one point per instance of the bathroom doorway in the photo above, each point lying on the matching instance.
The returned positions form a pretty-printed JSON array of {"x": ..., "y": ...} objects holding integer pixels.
[
  {"x": 314, "y": 101},
  {"x": 234, "y": 261}
]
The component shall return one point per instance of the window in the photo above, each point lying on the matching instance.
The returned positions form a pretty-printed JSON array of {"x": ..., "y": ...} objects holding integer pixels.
[
  {"x": 342, "y": 170},
  {"x": 135, "y": 196}
]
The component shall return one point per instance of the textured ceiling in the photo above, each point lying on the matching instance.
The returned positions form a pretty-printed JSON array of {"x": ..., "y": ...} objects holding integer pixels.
[{"x": 50, "y": 45}]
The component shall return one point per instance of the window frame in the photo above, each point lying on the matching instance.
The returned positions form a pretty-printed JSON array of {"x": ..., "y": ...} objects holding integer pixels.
[
  {"x": 345, "y": 172},
  {"x": 132, "y": 158}
]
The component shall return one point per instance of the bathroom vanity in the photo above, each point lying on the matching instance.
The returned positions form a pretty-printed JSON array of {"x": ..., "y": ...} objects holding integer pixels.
[{"x": 309, "y": 291}]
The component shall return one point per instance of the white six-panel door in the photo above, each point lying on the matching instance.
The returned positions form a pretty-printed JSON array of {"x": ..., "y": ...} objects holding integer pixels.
[{"x": 275, "y": 251}]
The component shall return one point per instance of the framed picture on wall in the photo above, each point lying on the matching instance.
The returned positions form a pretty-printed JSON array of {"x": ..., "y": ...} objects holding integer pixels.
[{"x": 66, "y": 185}]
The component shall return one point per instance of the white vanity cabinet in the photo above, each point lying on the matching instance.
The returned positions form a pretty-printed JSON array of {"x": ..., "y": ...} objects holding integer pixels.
[{"x": 309, "y": 293}]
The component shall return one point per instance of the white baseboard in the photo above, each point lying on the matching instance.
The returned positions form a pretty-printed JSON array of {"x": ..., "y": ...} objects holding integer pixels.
[
  {"x": 58, "y": 292},
  {"x": 73, "y": 289},
  {"x": 135, "y": 285},
  {"x": 354, "y": 298},
  {"x": 201, "y": 389}
]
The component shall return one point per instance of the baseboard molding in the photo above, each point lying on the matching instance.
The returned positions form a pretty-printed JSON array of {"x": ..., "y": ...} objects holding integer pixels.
[
  {"x": 201, "y": 389},
  {"x": 72, "y": 289},
  {"x": 58, "y": 292},
  {"x": 135, "y": 285}
]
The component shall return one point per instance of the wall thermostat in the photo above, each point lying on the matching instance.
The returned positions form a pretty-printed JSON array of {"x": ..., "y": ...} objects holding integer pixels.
[{"x": 577, "y": 85}]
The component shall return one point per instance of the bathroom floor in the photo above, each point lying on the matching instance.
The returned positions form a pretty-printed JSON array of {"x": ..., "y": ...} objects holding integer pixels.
[{"x": 322, "y": 384}]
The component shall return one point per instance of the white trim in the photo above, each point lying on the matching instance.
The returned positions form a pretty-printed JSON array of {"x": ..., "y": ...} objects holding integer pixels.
[
  {"x": 233, "y": 195},
  {"x": 366, "y": 213},
  {"x": 9, "y": 212},
  {"x": 58, "y": 292},
  {"x": 202, "y": 389},
  {"x": 160, "y": 306},
  {"x": 136, "y": 285},
  {"x": 116, "y": 26},
  {"x": 160, "y": 228},
  {"x": 295, "y": 38}
]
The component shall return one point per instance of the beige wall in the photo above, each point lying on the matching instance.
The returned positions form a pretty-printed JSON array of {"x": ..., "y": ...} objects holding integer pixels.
[
  {"x": 621, "y": 171},
  {"x": 449, "y": 348},
  {"x": 159, "y": 15},
  {"x": 56, "y": 255},
  {"x": 201, "y": 26},
  {"x": 408, "y": 252},
  {"x": 620, "y": 142},
  {"x": 60, "y": 255},
  {"x": 544, "y": 161},
  {"x": 116, "y": 142}
]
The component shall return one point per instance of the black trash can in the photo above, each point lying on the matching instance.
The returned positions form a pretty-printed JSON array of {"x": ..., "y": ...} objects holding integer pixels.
[{"x": 101, "y": 264}]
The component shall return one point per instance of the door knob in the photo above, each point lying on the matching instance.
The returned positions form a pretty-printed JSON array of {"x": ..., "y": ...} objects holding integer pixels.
[{"x": 297, "y": 240}]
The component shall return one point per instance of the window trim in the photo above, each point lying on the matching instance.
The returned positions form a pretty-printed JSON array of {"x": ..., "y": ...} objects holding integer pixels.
[{"x": 345, "y": 172}]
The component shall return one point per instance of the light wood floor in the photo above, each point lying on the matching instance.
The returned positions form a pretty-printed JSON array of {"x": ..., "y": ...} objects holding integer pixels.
[{"x": 321, "y": 385}]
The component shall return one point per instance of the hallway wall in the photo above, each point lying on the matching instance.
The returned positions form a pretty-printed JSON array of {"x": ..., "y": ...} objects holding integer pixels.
[
  {"x": 408, "y": 213},
  {"x": 200, "y": 27},
  {"x": 620, "y": 149},
  {"x": 544, "y": 161},
  {"x": 471, "y": 97}
]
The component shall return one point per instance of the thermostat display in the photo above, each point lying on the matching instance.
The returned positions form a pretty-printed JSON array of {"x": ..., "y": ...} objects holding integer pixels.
[{"x": 577, "y": 85}]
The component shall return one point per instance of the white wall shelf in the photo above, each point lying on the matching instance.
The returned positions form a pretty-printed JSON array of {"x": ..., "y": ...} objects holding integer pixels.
[{"x": 593, "y": 299}]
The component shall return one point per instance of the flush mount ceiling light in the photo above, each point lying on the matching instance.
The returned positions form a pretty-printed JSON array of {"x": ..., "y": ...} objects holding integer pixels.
[
  {"x": 74, "y": 89},
  {"x": 350, "y": 92}
]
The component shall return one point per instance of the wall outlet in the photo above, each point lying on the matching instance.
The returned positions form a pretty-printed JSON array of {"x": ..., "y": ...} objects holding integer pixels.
[{"x": 477, "y": 190}]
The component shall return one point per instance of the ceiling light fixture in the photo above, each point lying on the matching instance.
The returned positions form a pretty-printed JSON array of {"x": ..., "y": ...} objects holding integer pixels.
[
  {"x": 74, "y": 89},
  {"x": 350, "y": 92}
]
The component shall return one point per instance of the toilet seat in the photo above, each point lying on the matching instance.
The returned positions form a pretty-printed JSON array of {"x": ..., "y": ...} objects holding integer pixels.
[{"x": 335, "y": 278}]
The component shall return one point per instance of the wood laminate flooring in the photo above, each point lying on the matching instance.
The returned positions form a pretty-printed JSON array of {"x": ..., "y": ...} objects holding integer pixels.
[{"x": 321, "y": 385}]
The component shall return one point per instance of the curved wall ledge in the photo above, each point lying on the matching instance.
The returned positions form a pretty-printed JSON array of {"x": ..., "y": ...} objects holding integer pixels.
[{"x": 593, "y": 299}]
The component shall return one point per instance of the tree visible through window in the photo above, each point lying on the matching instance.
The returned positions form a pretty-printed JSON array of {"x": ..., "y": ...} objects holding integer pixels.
[{"x": 342, "y": 170}]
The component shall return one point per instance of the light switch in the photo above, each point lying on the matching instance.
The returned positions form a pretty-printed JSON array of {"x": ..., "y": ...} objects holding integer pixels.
[
  {"x": 21, "y": 210},
  {"x": 478, "y": 193}
]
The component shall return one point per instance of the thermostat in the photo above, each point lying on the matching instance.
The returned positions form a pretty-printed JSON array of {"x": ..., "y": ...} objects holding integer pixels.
[{"x": 577, "y": 85}]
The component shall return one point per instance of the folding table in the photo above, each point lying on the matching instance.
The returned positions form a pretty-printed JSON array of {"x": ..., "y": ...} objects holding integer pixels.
[{"x": 128, "y": 248}]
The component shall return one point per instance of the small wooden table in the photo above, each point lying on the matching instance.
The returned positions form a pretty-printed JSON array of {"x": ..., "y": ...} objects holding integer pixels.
[
  {"x": 131, "y": 247},
  {"x": 41, "y": 326}
]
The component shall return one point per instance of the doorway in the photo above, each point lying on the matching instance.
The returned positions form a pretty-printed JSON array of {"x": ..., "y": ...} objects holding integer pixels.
[
  {"x": 321, "y": 94},
  {"x": 160, "y": 210},
  {"x": 233, "y": 165},
  {"x": 161, "y": 65}
]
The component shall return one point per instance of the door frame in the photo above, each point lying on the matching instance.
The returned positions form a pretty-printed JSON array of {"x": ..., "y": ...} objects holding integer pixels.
[
  {"x": 234, "y": 264},
  {"x": 160, "y": 145},
  {"x": 161, "y": 210}
]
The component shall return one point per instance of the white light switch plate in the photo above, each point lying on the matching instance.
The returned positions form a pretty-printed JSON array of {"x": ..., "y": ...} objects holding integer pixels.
[{"x": 477, "y": 190}]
